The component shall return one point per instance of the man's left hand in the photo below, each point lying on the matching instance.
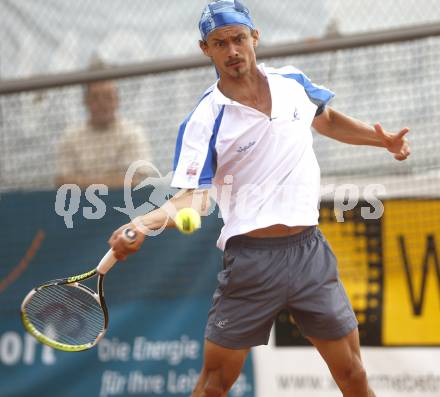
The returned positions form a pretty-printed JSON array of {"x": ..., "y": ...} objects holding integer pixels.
[{"x": 395, "y": 143}]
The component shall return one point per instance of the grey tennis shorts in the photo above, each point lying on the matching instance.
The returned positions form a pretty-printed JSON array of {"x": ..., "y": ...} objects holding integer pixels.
[{"x": 262, "y": 276}]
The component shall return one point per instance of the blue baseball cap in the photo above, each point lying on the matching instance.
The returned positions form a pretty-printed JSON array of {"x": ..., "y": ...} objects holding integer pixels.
[{"x": 223, "y": 13}]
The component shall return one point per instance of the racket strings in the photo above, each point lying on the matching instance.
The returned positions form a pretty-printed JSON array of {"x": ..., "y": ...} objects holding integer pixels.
[
  {"x": 66, "y": 314},
  {"x": 71, "y": 318}
]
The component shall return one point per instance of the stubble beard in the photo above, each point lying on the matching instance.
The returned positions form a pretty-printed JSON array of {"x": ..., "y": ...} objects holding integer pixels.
[{"x": 238, "y": 73}]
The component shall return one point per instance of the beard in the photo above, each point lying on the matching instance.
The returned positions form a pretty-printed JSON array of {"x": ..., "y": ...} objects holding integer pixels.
[{"x": 238, "y": 71}]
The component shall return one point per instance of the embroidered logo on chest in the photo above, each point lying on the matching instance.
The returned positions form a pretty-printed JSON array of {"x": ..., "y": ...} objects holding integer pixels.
[
  {"x": 245, "y": 148},
  {"x": 295, "y": 116}
]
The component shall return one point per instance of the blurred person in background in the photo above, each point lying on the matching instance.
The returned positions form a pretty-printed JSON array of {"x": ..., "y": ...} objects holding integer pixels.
[{"x": 101, "y": 150}]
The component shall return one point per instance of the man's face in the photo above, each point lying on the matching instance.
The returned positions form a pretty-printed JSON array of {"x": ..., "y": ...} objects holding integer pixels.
[
  {"x": 102, "y": 101},
  {"x": 232, "y": 49}
]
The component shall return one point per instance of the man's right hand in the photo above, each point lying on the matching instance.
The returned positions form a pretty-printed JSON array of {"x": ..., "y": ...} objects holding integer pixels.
[{"x": 121, "y": 245}]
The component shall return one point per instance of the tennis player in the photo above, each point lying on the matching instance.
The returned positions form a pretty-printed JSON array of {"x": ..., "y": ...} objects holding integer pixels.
[{"x": 250, "y": 135}]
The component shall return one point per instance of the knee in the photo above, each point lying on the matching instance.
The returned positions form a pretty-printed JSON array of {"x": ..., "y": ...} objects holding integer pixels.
[
  {"x": 211, "y": 384},
  {"x": 210, "y": 390},
  {"x": 213, "y": 391},
  {"x": 352, "y": 374},
  {"x": 358, "y": 375}
]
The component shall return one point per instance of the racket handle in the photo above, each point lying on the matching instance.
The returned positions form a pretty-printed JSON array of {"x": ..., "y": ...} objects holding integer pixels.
[{"x": 109, "y": 260}]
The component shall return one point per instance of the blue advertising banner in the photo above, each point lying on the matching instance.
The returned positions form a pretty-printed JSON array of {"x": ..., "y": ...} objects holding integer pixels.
[{"x": 158, "y": 301}]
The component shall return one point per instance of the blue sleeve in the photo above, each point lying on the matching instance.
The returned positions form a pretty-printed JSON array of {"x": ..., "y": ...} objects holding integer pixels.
[
  {"x": 317, "y": 94},
  {"x": 195, "y": 159}
]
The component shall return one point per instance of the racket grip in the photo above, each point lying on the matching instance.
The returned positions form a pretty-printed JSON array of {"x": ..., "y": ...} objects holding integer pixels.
[{"x": 109, "y": 260}]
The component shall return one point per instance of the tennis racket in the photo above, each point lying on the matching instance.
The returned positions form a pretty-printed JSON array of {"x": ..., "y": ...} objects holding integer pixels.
[{"x": 67, "y": 315}]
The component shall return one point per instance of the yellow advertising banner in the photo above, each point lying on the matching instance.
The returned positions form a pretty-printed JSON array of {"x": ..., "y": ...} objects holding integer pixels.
[{"x": 411, "y": 251}]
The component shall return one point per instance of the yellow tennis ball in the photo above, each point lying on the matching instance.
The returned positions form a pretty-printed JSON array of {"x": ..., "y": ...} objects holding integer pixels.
[{"x": 187, "y": 220}]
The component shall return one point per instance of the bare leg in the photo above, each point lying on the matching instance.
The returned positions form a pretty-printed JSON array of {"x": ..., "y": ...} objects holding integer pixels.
[
  {"x": 343, "y": 358},
  {"x": 221, "y": 368}
]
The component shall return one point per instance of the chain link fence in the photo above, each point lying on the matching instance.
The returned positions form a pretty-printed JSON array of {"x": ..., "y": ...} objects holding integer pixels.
[
  {"x": 395, "y": 84},
  {"x": 49, "y": 36}
]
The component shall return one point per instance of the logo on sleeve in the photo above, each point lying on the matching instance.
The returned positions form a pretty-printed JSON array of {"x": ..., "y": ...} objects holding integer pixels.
[{"x": 192, "y": 169}]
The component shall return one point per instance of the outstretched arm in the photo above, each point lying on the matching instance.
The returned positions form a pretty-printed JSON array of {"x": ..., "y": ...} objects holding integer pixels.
[
  {"x": 157, "y": 219},
  {"x": 337, "y": 125}
]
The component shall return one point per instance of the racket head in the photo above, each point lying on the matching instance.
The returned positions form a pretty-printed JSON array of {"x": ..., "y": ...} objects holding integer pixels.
[{"x": 65, "y": 314}]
